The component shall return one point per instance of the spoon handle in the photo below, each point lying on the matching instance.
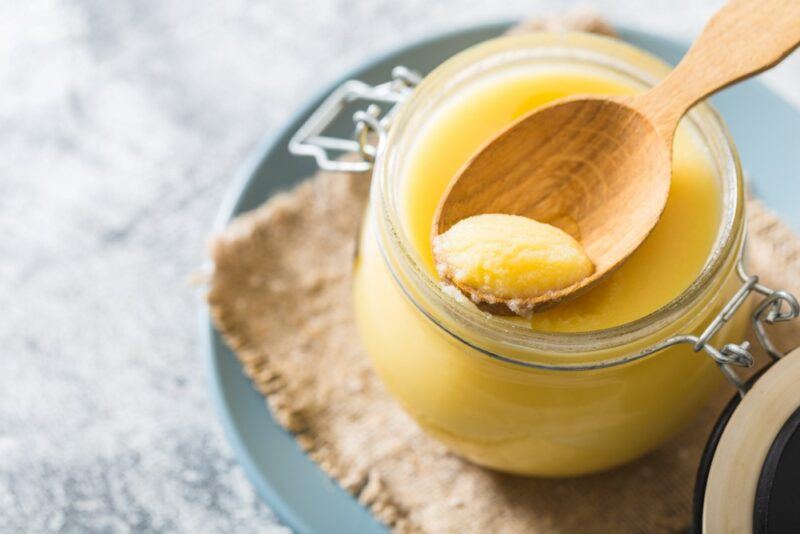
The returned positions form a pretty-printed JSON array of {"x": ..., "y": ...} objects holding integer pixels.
[{"x": 744, "y": 38}]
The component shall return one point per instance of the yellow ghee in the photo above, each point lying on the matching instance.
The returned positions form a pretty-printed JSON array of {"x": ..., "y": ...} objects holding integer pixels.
[
  {"x": 512, "y": 413},
  {"x": 509, "y": 257}
]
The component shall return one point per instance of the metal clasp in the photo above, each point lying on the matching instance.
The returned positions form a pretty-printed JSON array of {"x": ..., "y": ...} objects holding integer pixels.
[
  {"x": 371, "y": 124},
  {"x": 777, "y": 306}
]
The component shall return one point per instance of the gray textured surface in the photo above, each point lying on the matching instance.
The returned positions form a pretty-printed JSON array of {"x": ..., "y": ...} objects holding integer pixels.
[{"x": 120, "y": 124}]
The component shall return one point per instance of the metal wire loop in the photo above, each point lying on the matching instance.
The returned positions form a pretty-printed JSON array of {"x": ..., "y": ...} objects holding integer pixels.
[
  {"x": 367, "y": 123},
  {"x": 775, "y": 307},
  {"x": 371, "y": 124},
  {"x": 779, "y": 306}
]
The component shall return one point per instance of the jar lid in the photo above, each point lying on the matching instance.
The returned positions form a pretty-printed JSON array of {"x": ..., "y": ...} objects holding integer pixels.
[{"x": 749, "y": 476}]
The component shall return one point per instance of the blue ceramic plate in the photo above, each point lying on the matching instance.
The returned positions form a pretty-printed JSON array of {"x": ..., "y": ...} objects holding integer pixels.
[{"x": 766, "y": 130}]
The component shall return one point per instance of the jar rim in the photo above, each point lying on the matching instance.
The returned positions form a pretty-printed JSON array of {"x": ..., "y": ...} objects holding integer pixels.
[{"x": 472, "y": 326}]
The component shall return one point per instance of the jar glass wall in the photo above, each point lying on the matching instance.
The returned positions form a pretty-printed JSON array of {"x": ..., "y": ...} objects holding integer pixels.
[{"x": 497, "y": 391}]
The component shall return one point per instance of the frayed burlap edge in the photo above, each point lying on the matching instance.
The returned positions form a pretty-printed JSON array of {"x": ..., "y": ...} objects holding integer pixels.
[{"x": 366, "y": 485}]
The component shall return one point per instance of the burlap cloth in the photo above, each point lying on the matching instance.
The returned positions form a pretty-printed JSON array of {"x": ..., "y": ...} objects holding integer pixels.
[{"x": 281, "y": 296}]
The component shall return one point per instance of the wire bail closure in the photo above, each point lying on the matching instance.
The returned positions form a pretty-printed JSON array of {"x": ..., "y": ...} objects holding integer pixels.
[
  {"x": 370, "y": 133},
  {"x": 776, "y": 307},
  {"x": 371, "y": 124}
]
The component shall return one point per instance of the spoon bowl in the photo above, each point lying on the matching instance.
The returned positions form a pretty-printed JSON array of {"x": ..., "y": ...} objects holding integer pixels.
[{"x": 594, "y": 167}]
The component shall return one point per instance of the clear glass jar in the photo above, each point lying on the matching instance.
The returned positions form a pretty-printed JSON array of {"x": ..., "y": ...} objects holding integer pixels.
[{"x": 497, "y": 392}]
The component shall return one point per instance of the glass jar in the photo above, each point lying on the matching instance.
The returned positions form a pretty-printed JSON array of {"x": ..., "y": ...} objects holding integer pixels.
[{"x": 497, "y": 392}]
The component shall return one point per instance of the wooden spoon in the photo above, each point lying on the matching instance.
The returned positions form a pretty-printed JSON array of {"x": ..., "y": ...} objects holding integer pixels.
[{"x": 599, "y": 167}]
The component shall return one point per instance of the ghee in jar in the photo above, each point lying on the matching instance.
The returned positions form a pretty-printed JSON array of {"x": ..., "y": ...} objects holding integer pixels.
[{"x": 556, "y": 396}]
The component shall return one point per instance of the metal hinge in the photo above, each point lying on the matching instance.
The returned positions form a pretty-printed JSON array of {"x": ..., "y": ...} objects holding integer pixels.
[
  {"x": 371, "y": 123},
  {"x": 776, "y": 307}
]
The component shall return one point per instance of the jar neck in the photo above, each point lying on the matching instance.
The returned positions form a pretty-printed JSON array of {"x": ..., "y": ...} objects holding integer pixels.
[{"x": 509, "y": 340}]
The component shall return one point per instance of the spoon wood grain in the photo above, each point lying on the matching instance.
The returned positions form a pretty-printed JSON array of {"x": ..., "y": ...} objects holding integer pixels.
[{"x": 599, "y": 167}]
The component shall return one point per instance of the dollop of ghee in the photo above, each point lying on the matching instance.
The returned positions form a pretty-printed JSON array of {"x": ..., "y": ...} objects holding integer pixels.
[{"x": 509, "y": 256}]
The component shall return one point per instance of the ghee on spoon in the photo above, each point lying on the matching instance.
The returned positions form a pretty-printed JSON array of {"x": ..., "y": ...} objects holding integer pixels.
[{"x": 596, "y": 167}]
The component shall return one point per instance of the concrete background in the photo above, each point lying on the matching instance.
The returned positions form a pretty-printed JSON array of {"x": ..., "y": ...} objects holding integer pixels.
[{"x": 120, "y": 124}]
